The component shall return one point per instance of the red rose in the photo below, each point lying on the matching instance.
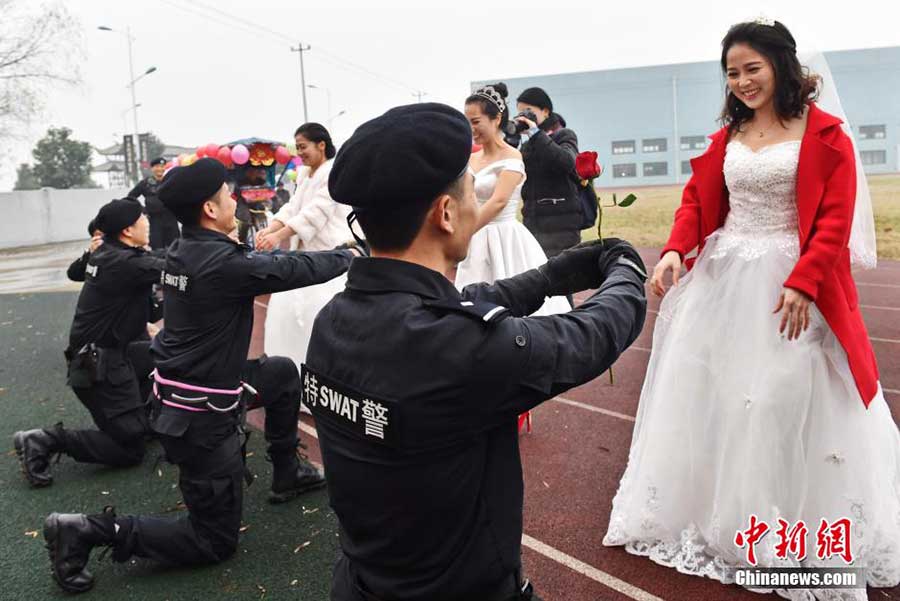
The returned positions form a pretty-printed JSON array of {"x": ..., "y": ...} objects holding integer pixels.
[{"x": 586, "y": 165}]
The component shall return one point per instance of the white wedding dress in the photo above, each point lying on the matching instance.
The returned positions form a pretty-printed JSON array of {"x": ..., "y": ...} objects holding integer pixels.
[
  {"x": 321, "y": 224},
  {"x": 504, "y": 247},
  {"x": 736, "y": 420}
]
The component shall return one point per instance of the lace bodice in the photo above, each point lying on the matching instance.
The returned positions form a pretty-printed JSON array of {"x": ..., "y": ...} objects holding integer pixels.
[
  {"x": 761, "y": 187},
  {"x": 486, "y": 181},
  {"x": 761, "y": 191}
]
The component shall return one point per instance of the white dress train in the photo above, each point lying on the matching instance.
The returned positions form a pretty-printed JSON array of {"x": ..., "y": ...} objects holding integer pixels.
[
  {"x": 736, "y": 420},
  {"x": 504, "y": 247},
  {"x": 321, "y": 224}
]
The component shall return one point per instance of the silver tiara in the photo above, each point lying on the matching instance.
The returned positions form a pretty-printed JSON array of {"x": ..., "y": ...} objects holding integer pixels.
[
  {"x": 493, "y": 95},
  {"x": 764, "y": 20}
]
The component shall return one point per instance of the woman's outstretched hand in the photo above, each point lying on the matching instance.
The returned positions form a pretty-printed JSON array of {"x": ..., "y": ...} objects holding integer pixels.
[
  {"x": 671, "y": 261},
  {"x": 794, "y": 308}
]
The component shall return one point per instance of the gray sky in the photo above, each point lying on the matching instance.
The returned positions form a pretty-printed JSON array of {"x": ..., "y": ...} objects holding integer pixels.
[{"x": 218, "y": 80}]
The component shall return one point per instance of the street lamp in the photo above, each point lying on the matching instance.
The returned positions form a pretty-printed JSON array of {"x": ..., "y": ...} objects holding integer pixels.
[
  {"x": 333, "y": 117},
  {"x": 134, "y": 102}
]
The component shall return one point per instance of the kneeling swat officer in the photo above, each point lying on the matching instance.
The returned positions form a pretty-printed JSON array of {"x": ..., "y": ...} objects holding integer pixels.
[
  {"x": 107, "y": 363},
  {"x": 202, "y": 379},
  {"x": 420, "y": 442}
]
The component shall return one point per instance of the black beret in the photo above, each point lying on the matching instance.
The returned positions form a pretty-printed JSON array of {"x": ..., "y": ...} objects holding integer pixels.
[
  {"x": 158, "y": 161},
  {"x": 116, "y": 215},
  {"x": 536, "y": 97},
  {"x": 409, "y": 154},
  {"x": 186, "y": 188}
]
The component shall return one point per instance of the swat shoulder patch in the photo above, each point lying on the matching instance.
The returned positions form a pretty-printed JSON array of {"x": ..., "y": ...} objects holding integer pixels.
[
  {"x": 486, "y": 312},
  {"x": 358, "y": 414}
]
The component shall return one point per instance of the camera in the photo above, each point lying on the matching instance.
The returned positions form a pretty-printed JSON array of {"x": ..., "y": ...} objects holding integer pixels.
[{"x": 516, "y": 127}]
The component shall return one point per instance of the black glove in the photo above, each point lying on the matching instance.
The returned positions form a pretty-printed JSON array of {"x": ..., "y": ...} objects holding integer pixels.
[
  {"x": 577, "y": 268},
  {"x": 621, "y": 253}
]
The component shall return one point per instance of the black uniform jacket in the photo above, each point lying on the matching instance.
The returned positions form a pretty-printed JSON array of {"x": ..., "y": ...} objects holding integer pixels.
[
  {"x": 416, "y": 389},
  {"x": 210, "y": 282}
]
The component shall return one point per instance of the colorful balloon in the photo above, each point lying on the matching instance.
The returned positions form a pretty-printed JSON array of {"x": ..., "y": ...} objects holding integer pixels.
[
  {"x": 291, "y": 175},
  {"x": 211, "y": 150},
  {"x": 297, "y": 162},
  {"x": 224, "y": 155},
  {"x": 282, "y": 156},
  {"x": 200, "y": 152},
  {"x": 240, "y": 154}
]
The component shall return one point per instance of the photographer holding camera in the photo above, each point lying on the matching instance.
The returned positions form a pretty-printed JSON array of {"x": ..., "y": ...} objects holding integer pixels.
[{"x": 551, "y": 208}]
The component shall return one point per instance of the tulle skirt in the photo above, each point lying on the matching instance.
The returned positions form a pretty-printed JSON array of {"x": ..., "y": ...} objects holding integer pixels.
[
  {"x": 501, "y": 250},
  {"x": 735, "y": 420},
  {"x": 290, "y": 317}
]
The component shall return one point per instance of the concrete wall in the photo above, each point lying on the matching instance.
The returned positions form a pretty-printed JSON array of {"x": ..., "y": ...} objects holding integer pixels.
[{"x": 45, "y": 216}]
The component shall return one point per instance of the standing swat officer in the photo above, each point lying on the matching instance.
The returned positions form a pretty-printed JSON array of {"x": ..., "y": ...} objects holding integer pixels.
[
  {"x": 106, "y": 362},
  {"x": 202, "y": 379},
  {"x": 415, "y": 387},
  {"x": 163, "y": 224}
]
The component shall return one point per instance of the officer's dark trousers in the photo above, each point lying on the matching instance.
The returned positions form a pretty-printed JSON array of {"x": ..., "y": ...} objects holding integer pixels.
[
  {"x": 163, "y": 229},
  {"x": 208, "y": 455},
  {"x": 117, "y": 403}
]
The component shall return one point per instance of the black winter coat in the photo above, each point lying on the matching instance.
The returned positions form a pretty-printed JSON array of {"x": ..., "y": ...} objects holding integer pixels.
[{"x": 550, "y": 195}]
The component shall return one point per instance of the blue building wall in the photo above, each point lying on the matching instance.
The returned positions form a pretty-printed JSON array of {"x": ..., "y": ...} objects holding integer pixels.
[{"x": 680, "y": 103}]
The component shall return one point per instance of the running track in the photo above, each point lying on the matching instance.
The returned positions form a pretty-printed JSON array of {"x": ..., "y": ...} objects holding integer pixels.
[{"x": 574, "y": 458}]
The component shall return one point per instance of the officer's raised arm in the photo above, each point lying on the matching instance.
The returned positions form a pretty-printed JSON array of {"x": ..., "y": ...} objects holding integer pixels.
[
  {"x": 243, "y": 273},
  {"x": 558, "y": 352},
  {"x": 259, "y": 273},
  {"x": 573, "y": 270}
]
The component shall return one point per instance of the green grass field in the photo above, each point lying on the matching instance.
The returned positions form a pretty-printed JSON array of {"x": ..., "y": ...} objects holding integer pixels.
[
  {"x": 286, "y": 552},
  {"x": 647, "y": 222}
]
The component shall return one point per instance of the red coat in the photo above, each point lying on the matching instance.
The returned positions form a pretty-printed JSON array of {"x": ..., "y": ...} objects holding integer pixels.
[{"x": 826, "y": 192}]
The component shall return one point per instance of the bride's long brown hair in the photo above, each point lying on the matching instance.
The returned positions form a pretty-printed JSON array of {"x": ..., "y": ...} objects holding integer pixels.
[{"x": 795, "y": 86}]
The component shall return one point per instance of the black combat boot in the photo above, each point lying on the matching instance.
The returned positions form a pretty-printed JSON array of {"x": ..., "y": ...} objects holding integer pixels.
[
  {"x": 293, "y": 475},
  {"x": 70, "y": 537},
  {"x": 35, "y": 449}
]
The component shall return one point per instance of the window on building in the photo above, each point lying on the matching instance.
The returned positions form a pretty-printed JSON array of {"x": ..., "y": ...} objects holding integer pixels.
[
  {"x": 623, "y": 147},
  {"x": 872, "y": 132},
  {"x": 686, "y": 168},
  {"x": 873, "y": 157},
  {"x": 653, "y": 169},
  {"x": 655, "y": 145},
  {"x": 625, "y": 170},
  {"x": 693, "y": 142}
]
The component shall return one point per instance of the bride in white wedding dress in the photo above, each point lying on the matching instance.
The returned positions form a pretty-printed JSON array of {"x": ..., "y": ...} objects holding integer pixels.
[
  {"x": 746, "y": 410},
  {"x": 502, "y": 247}
]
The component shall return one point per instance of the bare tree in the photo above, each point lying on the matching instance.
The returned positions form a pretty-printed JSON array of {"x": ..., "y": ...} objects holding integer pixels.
[{"x": 40, "y": 46}]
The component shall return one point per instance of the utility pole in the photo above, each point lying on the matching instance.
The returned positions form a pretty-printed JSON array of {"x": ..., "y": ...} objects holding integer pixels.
[
  {"x": 301, "y": 49},
  {"x": 418, "y": 94}
]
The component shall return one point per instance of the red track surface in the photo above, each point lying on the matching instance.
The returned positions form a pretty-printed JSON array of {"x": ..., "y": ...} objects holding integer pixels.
[{"x": 574, "y": 458}]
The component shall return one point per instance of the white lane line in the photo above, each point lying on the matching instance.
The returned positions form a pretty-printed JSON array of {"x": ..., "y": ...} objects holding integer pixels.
[
  {"x": 607, "y": 580},
  {"x": 879, "y": 308},
  {"x": 259, "y": 304},
  {"x": 312, "y": 432},
  {"x": 308, "y": 429},
  {"x": 615, "y": 414},
  {"x": 643, "y": 349},
  {"x": 877, "y": 285},
  {"x": 888, "y": 340}
]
